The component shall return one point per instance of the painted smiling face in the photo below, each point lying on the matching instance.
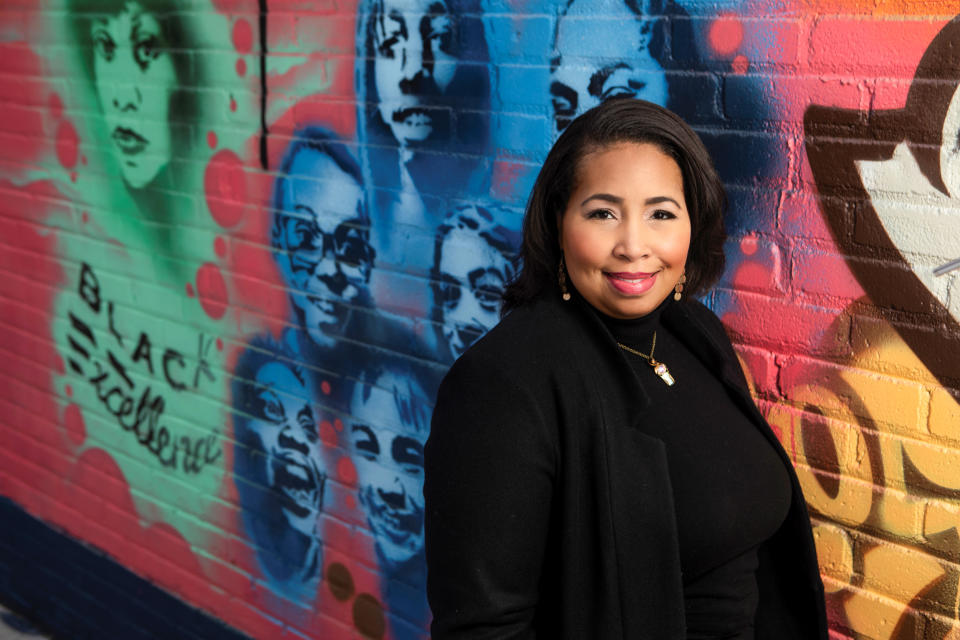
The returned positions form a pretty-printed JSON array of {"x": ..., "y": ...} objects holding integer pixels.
[
  {"x": 389, "y": 427},
  {"x": 135, "y": 79},
  {"x": 622, "y": 41},
  {"x": 414, "y": 65},
  {"x": 626, "y": 231},
  {"x": 284, "y": 422},
  {"x": 325, "y": 253}
]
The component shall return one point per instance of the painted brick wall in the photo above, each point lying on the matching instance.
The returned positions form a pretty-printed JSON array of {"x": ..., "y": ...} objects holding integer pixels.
[{"x": 241, "y": 241}]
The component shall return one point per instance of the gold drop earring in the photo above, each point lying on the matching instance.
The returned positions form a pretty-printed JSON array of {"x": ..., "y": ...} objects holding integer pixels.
[
  {"x": 562, "y": 280},
  {"x": 677, "y": 290}
]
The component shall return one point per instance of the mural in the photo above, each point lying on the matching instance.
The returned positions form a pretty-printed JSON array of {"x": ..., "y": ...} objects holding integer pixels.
[{"x": 243, "y": 241}]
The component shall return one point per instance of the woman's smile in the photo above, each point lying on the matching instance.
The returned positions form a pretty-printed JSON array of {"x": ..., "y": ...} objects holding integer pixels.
[{"x": 631, "y": 284}]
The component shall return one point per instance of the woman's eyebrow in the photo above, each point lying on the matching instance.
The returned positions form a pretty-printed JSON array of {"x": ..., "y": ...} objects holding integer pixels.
[
  {"x": 659, "y": 199},
  {"x": 606, "y": 197}
]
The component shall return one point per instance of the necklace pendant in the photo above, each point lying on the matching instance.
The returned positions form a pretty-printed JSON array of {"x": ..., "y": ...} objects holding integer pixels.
[{"x": 661, "y": 370}]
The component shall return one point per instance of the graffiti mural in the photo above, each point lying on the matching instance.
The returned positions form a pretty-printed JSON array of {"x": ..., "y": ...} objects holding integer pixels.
[
  {"x": 243, "y": 240},
  {"x": 897, "y": 167}
]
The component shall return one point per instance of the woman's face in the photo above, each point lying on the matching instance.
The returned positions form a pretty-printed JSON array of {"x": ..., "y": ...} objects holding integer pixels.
[
  {"x": 135, "y": 78},
  {"x": 625, "y": 232}
]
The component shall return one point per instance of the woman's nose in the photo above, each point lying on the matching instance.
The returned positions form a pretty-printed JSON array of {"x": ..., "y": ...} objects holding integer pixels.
[{"x": 632, "y": 241}]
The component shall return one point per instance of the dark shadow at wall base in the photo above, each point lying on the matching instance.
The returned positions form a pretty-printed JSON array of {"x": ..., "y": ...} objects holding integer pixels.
[{"x": 71, "y": 591}]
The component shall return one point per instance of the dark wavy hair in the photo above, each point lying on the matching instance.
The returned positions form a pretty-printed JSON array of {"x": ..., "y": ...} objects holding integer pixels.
[{"x": 616, "y": 121}]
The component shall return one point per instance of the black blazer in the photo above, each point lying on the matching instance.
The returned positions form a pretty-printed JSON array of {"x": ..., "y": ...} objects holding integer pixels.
[{"x": 549, "y": 512}]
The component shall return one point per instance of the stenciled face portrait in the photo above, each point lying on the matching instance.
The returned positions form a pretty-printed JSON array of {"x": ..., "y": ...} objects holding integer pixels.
[
  {"x": 388, "y": 428},
  {"x": 622, "y": 41},
  {"x": 285, "y": 424},
  {"x": 323, "y": 244},
  {"x": 135, "y": 79},
  {"x": 625, "y": 233},
  {"x": 473, "y": 267},
  {"x": 414, "y": 66}
]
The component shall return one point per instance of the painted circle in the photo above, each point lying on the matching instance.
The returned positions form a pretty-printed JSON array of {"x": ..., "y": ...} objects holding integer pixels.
[
  {"x": 211, "y": 139},
  {"x": 68, "y": 144},
  {"x": 68, "y": 390},
  {"x": 85, "y": 216},
  {"x": 219, "y": 344},
  {"x": 351, "y": 501},
  {"x": 368, "y": 616},
  {"x": 346, "y": 471},
  {"x": 338, "y": 425},
  {"x": 189, "y": 290},
  {"x": 241, "y": 67},
  {"x": 327, "y": 434},
  {"x": 212, "y": 290},
  {"x": 749, "y": 245},
  {"x": 242, "y": 36},
  {"x": 225, "y": 186},
  {"x": 233, "y": 104},
  {"x": 340, "y": 581},
  {"x": 325, "y": 387},
  {"x": 220, "y": 247},
  {"x": 725, "y": 35}
]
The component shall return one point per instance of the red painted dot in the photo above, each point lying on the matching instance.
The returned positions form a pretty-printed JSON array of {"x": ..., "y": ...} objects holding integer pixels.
[
  {"x": 85, "y": 216},
  {"x": 325, "y": 387},
  {"x": 225, "y": 185},
  {"x": 83, "y": 160},
  {"x": 73, "y": 176},
  {"x": 327, "y": 434},
  {"x": 725, "y": 35},
  {"x": 346, "y": 471},
  {"x": 242, "y": 36},
  {"x": 220, "y": 247},
  {"x": 68, "y": 390},
  {"x": 211, "y": 139},
  {"x": 58, "y": 364},
  {"x": 241, "y": 67},
  {"x": 233, "y": 104},
  {"x": 74, "y": 424},
  {"x": 67, "y": 144},
  {"x": 748, "y": 245},
  {"x": 212, "y": 290},
  {"x": 740, "y": 64},
  {"x": 56, "y": 106},
  {"x": 351, "y": 501},
  {"x": 189, "y": 290},
  {"x": 338, "y": 425},
  {"x": 219, "y": 344}
]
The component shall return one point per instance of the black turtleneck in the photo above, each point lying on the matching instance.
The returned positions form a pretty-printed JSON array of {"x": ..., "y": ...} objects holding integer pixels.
[{"x": 729, "y": 486}]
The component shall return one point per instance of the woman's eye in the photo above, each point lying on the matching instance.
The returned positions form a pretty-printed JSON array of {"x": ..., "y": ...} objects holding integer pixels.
[
  {"x": 600, "y": 214},
  {"x": 663, "y": 214}
]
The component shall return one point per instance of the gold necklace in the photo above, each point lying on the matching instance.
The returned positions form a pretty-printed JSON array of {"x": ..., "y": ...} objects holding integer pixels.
[{"x": 658, "y": 367}]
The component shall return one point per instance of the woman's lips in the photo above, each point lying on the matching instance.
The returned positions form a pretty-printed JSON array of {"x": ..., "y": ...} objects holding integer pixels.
[{"x": 631, "y": 284}]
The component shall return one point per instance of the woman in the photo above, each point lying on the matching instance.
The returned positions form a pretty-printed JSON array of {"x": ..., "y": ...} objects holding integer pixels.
[{"x": 572, "y": 489}]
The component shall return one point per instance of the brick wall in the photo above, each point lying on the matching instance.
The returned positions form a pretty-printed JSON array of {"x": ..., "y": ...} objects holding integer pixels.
[{"x": 234, "y": 231}]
